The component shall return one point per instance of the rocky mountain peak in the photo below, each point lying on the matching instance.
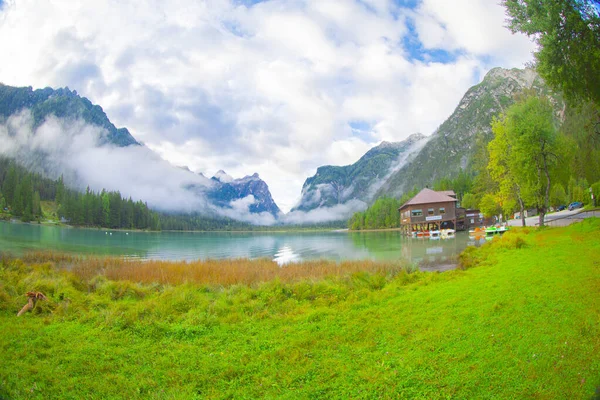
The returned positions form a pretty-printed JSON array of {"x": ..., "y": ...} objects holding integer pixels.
[
  {"x": 450, "y": 148},
  {"x": 222, "y": 176},
  {"x": 227, "y": 190},
  {"x": 62, "y": 103},
  {"x": 525, "y": 77},
  {"x": 358, "y": 182}
]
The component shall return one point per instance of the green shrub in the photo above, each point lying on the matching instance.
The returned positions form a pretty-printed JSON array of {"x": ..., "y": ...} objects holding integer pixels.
[
  {"x": 510, "y": 240},
  {"x": 470, "y": 257}
]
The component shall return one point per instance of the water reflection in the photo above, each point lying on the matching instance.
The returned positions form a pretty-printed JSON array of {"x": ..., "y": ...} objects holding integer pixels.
[
  {"x": 286, "y": 255},
  {"x": 280, "y": 247}
]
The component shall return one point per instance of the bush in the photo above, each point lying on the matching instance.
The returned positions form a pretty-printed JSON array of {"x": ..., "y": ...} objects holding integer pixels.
[
  {"x": 511, "y": 240},
  {"x": 470, "y": 257}
]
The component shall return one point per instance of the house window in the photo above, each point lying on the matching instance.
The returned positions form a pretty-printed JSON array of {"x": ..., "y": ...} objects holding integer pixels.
[
  {"x": 442, "y": 210},
  {"x": 416, "y": 213},
  {"x": 430, "y": 211}
]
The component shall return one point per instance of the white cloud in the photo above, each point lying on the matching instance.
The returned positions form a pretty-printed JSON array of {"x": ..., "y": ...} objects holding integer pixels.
[
  {"x": 240, "y": 210},
  {"x": 268, "y": 88},
  {"x": 71, "y": 147},
  {"x": 473, "y": 26},
  {"x": 339, "y": 212}
]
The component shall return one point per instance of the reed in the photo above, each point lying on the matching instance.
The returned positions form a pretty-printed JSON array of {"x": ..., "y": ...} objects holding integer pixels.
[{"x": 224, "y": 272}]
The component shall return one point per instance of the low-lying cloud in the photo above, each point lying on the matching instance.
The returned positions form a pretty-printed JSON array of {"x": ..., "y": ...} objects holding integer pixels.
[
  {"x": 72, "y": 148},
  {"x": 240, "y": 210},
  {"x": 339, "y": 212}
]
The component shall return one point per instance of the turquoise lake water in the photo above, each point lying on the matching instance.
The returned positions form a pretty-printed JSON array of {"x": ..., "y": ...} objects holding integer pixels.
[{"x": 280, "y": 246}]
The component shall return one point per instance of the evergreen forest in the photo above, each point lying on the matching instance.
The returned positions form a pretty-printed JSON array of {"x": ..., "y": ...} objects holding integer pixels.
[{"x": 23, "y": 193}]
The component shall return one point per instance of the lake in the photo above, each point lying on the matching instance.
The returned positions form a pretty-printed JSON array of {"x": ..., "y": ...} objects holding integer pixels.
[{"x": 282, "y": 247}]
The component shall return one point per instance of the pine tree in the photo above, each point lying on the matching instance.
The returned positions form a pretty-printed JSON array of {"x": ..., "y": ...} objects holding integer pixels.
[
  {"x": 36, "y": 204},
  {"x": 10, "y": 185},
  {"x": 17, "y": 202}
]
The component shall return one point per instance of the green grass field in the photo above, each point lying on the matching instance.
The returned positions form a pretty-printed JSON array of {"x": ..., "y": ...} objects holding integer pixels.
[{"x": 521, "y": 320}]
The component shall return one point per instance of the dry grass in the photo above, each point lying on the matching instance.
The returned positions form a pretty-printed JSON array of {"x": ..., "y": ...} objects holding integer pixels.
[{"x": 210, "y": 272}]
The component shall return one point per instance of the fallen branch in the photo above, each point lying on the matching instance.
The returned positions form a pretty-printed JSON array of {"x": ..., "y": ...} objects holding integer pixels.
[{"x": 32, "y": 299}]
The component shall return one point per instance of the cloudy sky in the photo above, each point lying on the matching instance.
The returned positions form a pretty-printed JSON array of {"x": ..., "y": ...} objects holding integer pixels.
[{"x": 276, "y": 87}]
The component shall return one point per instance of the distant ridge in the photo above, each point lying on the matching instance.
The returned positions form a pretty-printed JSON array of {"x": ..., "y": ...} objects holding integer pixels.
[
  {"x": 333, "y": 185},
  {"x": 228, "y": 190},
  {"x": 63, "y": 103},
  {"x": 451, "y": 147}
]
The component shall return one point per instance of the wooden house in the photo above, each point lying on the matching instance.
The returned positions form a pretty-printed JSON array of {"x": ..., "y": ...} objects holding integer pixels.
[
  {"x": 475, "y": 219},
  {"x": 428, "y": 210}
]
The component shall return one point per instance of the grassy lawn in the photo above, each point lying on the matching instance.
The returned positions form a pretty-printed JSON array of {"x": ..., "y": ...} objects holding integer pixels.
[{"x": 521, "y": 320}]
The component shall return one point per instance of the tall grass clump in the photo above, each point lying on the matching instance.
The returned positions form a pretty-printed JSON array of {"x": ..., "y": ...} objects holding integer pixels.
[
  {"x": 226, "y": 272},
  {"x": 472, "y": 257}
]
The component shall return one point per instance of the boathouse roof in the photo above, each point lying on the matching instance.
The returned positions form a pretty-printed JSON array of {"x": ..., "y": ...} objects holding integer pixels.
[
  {"x": 428, "y": 196},
  {"x": 447, "y": 193}
]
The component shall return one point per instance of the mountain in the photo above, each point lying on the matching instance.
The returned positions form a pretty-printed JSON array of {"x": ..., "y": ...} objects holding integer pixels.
[
  {"x": 451, "y": 146},
  {"x": 333, "y": 185},
  {"x": 63, "y": 103},
  {"x": 228, "y": 190},
  {"x": 56, "y": 132}
]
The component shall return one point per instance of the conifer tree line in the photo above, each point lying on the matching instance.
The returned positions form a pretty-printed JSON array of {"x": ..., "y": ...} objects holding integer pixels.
[
  {"x": 198, "y": 222},
  {"x": 22, "y": 193}
]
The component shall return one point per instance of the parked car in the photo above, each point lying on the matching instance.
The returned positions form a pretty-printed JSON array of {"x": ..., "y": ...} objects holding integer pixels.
[
  {"x": 560, "y": 208},
  {"x": 574, "y": 205}
]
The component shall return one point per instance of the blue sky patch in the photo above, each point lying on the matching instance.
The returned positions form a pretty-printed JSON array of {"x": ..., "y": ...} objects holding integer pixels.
[
  {"x": 407, "y": 3},
  {"x": 248, "y": 3},
  {"x": 362, "y": 129},
  {"x": 234, "y": 28},
  {"x": 415, "y": 50}
]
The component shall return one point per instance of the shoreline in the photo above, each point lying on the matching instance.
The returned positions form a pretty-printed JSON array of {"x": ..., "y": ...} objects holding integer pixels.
[
  {"x": 374, "y": 230},
  {"x": 14, "y": 220}
]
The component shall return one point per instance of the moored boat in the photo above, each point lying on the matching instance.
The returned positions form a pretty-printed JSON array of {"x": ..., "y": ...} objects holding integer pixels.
[
  {"x": 448, "y": 233},
  {"x": 477, "y": 233},
  {"x": 495, "y": 230}
]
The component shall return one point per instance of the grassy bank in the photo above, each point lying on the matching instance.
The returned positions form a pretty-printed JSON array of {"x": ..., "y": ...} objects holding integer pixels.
[{"x": 522, "y": 320}]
